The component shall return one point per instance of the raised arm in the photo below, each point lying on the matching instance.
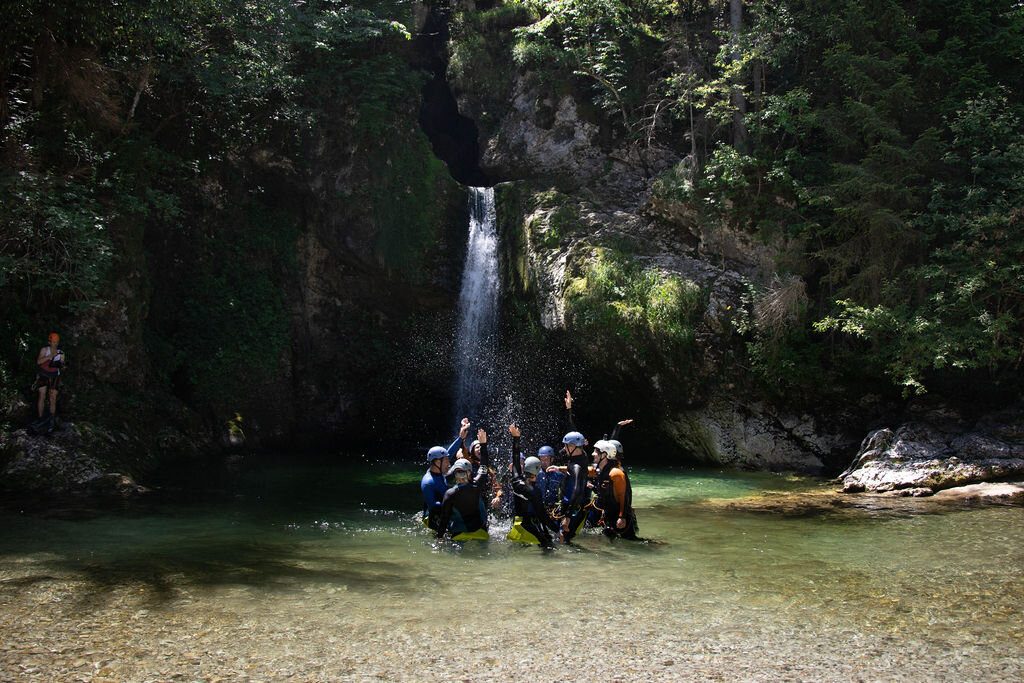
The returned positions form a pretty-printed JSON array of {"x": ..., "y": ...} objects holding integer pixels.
[
  {"x": 619, "y": 426},
  {"x": 484, "y": 473},
  {"x": 460, "y": 440},
  {"x": 517, "y": 467}
]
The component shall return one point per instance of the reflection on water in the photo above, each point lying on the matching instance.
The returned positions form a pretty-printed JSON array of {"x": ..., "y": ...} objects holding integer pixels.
[{"x": 331, "y": 566}]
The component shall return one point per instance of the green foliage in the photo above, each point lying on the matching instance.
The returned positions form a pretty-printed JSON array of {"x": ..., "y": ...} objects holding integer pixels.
[
  {"x": 962, "y": 307},
  {"x": 618, "y": 299},
  {"x": 407, "y": 180},
  {"x": 53, "y": 239},
  {"x": 554, "y": 218},
  {"x": 129, "y": 128},
  {"x": 234, "y": 324},
  {"x": 480, "y": 43},
  {"x": 610, "y": 46},
  {"x": 222, "y": 323},
  {"x": 784, "y": 355},
  {"x": 891, "y": 152}
]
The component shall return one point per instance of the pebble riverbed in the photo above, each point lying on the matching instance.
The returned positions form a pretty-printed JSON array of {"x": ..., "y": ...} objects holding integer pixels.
[{"x": 903, "y": 595}]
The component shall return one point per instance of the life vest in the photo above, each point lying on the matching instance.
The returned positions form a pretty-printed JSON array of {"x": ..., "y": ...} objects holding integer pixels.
[{"x": 47, "y": 368}]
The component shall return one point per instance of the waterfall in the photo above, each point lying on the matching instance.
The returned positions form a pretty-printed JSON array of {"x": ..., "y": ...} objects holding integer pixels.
[{"x": 476, "y": 338}]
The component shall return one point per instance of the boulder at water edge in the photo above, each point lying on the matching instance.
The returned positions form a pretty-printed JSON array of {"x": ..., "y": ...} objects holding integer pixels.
[
  {"x": 66, "y": 462},
  {"x": 926, "y": 458}
]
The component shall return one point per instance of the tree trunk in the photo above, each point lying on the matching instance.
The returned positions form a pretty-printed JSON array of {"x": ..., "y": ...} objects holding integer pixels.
[{"x": 739, "y": 128}]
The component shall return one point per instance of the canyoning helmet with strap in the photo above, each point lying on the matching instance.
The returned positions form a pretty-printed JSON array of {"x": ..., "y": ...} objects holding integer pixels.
[
  {"x": 618, "y": 446},
  {"x": 574, "y": 439},
  {"x": 545, "y": 450},
  {"x": 436, "y": 453},
  {"x": 607, "y": 448},
  {"x": 461, "y": 465},
  {"x": 532, "y": 465},
  {"x": 472, "y": 450}
]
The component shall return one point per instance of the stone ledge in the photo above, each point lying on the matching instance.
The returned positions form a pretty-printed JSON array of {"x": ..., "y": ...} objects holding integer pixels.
[{"x": 1004, "y": 492}]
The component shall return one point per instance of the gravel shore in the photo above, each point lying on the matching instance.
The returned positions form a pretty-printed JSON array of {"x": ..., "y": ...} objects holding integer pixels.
[{"x": 59, "y": 629}]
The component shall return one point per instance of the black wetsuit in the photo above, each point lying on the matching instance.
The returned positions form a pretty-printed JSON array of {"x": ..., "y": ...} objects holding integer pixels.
[
  {"x": 463, "y": 509},
  {"x": 607, "y": 501},
  {"x": 575, "y": 507},
  {"x": 529, "y": 504}
]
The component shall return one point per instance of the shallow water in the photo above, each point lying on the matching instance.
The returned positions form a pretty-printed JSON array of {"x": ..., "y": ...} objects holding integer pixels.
[{"x": 318, "y": 572}]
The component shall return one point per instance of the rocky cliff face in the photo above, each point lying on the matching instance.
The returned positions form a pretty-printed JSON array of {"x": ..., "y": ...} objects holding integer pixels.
[
  {"x": 661, "y": 306},
  {"x": 651, "y": 300}
]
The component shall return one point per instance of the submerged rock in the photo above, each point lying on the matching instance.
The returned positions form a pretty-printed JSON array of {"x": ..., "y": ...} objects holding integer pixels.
[{"x": 921, "y": 458}]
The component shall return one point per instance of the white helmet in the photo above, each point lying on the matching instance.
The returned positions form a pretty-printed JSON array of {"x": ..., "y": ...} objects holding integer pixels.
[
  {"x": 532, "y": 465},
  {"x": 461, "y": 465},
  {"x": 606, "y": 447}
]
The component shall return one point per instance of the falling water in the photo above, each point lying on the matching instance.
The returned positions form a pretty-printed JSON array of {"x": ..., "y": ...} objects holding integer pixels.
[{"x": 476, "y": 336}]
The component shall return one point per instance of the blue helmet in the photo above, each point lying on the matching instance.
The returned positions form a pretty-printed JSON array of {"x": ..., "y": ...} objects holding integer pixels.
[
  {"x": 574, "y": 439},
  {"x": 545, "y": 450},
  {"x": 436, "y": 453}
]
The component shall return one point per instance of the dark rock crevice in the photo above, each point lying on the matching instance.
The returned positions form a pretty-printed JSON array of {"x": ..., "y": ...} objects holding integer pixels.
[{"x": 454, "y": 137}]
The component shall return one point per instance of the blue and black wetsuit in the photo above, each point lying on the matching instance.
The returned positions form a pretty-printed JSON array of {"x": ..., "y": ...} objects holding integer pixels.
[
  {"x": 433, "y": 487},
  {"x": 463, "y": 512},
  {"x": 532, "y": 520},
  {"x": 550, "y": 484}
]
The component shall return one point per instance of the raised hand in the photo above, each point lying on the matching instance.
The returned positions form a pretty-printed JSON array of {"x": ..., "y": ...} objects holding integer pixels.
[{"x": 513, "y": 430}]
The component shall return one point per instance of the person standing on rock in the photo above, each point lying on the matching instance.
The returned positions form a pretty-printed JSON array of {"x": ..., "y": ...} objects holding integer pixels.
[{"x": 49, "y": 363}]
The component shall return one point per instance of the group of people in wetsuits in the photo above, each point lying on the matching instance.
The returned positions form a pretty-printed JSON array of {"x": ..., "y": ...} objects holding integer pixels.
[{"x": 547, "y": 500}]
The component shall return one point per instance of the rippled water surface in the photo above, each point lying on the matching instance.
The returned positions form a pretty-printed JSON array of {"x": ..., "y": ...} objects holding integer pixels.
[{"x": 323, "y": 572}]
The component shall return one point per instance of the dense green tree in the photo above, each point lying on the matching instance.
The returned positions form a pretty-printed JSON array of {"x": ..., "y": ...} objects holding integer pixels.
[
  {"x": 142, "y": 134},
  {"x": 886, "y": 141}
]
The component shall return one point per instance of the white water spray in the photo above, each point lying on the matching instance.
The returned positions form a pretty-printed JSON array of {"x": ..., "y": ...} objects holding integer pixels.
[{"x": 476, "y": 338}]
